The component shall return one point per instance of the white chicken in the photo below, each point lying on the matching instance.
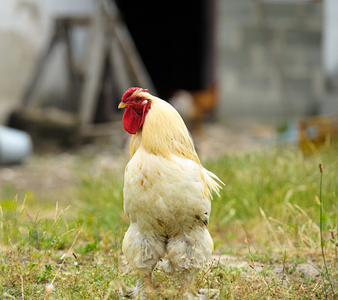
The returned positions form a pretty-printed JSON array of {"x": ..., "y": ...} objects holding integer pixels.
[{"x": 166, "y": 191}]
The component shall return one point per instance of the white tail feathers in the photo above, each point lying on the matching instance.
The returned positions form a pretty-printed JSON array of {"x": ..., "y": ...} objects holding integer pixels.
[{"x": 213, "y": 182}]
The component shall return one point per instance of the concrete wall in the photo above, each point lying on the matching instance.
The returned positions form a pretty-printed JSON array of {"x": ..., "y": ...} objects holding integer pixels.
[{"x": 270, "y": 58}]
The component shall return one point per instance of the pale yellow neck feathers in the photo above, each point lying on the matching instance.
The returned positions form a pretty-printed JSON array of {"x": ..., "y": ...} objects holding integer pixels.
[{"x": 164, "y": 133}]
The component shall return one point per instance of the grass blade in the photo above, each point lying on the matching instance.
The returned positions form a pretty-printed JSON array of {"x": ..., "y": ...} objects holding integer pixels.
[{"x": 321, "y": 226}]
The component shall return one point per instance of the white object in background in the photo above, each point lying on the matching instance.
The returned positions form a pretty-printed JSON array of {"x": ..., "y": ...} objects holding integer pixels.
[
  {"x": 330, "y": 38},
  {"x": 15, "y": 145}
]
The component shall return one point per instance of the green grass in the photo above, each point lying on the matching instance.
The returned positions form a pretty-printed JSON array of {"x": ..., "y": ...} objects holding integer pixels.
[{"x": 267, "y": 217}]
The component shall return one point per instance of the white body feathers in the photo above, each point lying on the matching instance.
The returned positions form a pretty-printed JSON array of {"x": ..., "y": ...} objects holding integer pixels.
[{"x": 166, "y": 195}]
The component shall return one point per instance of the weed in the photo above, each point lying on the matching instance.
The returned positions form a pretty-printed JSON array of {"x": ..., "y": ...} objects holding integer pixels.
[{"x": 327, "y": 275}]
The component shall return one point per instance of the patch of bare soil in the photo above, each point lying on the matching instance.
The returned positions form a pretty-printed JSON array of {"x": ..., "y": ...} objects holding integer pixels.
[
  {"x": 45, "y": 175},
  {"x": 215, "y": 140},
  {"x": 279, "y": 270}
]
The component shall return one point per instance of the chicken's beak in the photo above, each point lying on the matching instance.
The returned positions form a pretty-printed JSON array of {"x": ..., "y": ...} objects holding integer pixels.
[{"x": 122, "y": 105}]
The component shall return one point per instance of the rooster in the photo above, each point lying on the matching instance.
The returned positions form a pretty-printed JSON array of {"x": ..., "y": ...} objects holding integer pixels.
[{"x": 166, "y": 191}]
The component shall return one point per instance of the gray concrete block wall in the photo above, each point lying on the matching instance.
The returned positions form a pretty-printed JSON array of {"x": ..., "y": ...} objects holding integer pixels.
[{"x": 270, "y": 63}]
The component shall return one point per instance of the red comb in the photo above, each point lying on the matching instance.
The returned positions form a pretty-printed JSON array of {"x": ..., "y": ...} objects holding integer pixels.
[{"x": 130, "y": 91}]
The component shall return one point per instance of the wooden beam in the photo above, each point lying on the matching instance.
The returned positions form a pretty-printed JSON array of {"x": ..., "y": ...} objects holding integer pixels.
[{"x": 94, "y": 72}]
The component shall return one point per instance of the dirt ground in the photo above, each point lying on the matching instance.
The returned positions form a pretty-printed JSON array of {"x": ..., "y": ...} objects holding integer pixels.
[{"x": 306, "y": 269}]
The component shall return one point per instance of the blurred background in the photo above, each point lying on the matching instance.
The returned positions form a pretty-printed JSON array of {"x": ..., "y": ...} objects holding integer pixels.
[
  {"x": 256, "y": 82},
  {"x": 266, "y": 68}
]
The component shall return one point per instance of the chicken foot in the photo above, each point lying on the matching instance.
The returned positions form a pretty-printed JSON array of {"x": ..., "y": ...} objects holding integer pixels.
[{"x": 145, "y": 287}]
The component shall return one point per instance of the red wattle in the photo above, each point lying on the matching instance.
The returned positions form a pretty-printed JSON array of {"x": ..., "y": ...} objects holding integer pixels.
[
  {"x": 134, "y": 117},
  {"x": 131, "y": 121}
]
